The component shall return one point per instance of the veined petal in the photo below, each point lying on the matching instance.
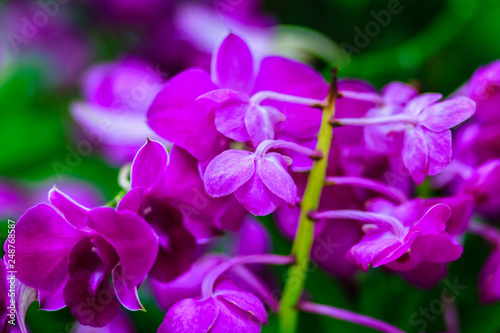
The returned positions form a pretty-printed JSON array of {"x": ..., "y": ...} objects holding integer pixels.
[
  {"x": 259, "y": 123},
  {"x": 415, "y": 153},
  {"x": 229, "y": 120},
  {"x": 137, "y": 250},
  {"x": 439, "y": 150},
  {"x": 43, "y": 243},
  {"x": 189, "y": 316},
  {"x": 276, "y": 178},
  {"x": 447, "y": 114},
  {"x": 150, "y": 161},
  {"x": 245, "y": 301},
  {"x": 257, "y": 198},
  {"x": 233, "y": 66},
  {"x": 417, "y": 104},
  {"x": 220, "y": 96},
  {"x": 228, "y": 171}
]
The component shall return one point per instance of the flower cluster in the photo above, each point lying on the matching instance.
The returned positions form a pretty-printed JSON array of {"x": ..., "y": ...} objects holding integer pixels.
[{"x": 334, "y": 163}]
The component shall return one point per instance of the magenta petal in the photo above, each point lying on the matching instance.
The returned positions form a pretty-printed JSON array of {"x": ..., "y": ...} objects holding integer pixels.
[
  {"x": 444, "y": 115},
  {"x": 148, "y": 164},
  {"x": 440, "y": 248},
  {"x": 259, "y": 124},
  {"x": 137, "y": 251},
  {"x": 398, "y": 93},
  {"x": 415, "y": 154},
  {"x": 228, "y": 171},
  {"x": 176, "y": 243},
  {"x": 73, "y": 212},
  {"x": 257, "y": 198},
  {"x": 88, "y": 292},
  {"x": 188, "y": 285},
  {"x": 189, "y": 316},
  {"x": 234, "y": 65},
  {"x": 433, "y": 222},
  {"x": 294, "y": 78},
  {"x": 43, "y": 243},
  {"x": 219, "y": 96},
  {"x": 276, "y": 178},
  {"x": 245, "y": 301},
  {"x": 51, "y": 300},
  {"x": 178, "y": 117},
  {"x": 375, "y": 244},
  {"x": 439, "y": 150},
  {"x": 417, "y": 104},
  {"x": 229, "y": 120},
  {"x": 232, "y": 318},
  {"x": 127, "y": 296},
  {"x": 489, "y": 279},
  {"x": 132, "y": 201}
]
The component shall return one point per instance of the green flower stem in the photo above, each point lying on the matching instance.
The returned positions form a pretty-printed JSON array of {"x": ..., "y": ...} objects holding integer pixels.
[{"x": 288, "y": 315}]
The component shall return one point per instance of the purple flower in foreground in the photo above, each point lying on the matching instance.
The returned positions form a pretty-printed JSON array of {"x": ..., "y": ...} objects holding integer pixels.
[
  {"x": 239, "y": 114},
  {"x": 388, "y": 139},
  {"x": 402, "y": 240},
  {"x": 84, "y": 258},
  {"x": 260, "y": 180},
  {"x": 426, "y": 126},
  {"x": 427, "y": 144},
  {"x": 227, "y": 309},
  {"x": 157, "y": 191}
]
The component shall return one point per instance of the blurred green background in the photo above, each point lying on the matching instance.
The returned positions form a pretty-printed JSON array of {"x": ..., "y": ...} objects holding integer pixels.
[{"x": 436, "y": 44}]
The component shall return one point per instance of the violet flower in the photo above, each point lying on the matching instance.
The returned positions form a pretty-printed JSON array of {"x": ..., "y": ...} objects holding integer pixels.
[
  {"x": 427, "y": 137},
  {"x": 489, "y": 276},
  {"x": 222, "y": 305},
  {"x": 402, "y": 240},
  {"x": 238, "y": 112},
  {"x": 155, "y": 182},
  {"x": 482, "y": 185},
  {"x": 113, "y": 113},
  {"x": 72, "y": 254},
  {"x": 231, "y": 95},
  {"x": 259, "y": 180},
  {"x": 484, "y": 89}
]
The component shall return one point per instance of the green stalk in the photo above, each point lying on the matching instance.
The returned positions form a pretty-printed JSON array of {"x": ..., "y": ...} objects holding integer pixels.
[{"x": 288, "y": 315}]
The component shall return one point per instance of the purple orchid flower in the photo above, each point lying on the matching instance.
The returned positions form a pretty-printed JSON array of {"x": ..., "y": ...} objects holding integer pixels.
[
  {"x": 228, "y": 308},
  {"x": 482, "y": 185},
  {"x": 402, "y": 240},
  {"x": 388, "y": 139},
  {"x": 259, "y": 180},
  {"x": 222, "y": 305},
  {"x": 155, "y": 181},
  {"x": 239, "y": 114},
  {"x": 72, "y": 254},
  {"x": 484, "y": 89},
  {"x": 176, "y": 244},
  {"x": 427, "y": 137},
  {"x": 488, "y": 281},
  {"x": 113, "y": 113},
  {"x": 194, "y": 109}
]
